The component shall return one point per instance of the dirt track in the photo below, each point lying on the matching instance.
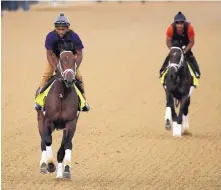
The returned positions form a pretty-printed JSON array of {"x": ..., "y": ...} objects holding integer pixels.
[{"x": 121, "y": 143}]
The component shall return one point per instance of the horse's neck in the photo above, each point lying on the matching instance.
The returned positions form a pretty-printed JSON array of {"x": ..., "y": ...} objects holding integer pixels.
[
  {"x": 185, "y": 70},
  {"x": 185, "y": 77},
  {"x": 59, "y": 85},
  {"x": 61, "y": 88}
]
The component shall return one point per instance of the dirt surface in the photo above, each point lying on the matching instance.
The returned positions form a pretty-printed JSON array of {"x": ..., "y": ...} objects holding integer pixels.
[{"x": 121, "y": 143}]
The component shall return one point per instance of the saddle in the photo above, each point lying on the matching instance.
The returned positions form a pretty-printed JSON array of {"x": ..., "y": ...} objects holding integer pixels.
[
  {"x": 195, "y": 79},
  {"x": 51, "y": 80},
  {"x": 42, "y": 94}
]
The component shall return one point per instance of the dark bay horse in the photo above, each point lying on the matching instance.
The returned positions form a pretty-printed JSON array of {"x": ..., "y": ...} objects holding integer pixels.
[
  {"x": 61, "y": 112},
  {"x": 178, "y": 86}
]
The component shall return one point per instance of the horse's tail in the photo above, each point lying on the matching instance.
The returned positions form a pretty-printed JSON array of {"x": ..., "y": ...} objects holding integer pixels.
[{"x": 177, "y": 102}]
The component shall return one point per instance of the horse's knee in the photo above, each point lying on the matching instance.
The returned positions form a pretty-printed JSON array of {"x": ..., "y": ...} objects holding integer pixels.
[
  {"x": 168, "y": 103},
  {"x": 68, "y": 145},
  {"x": 47, "y": 139},
  {"x": 69, "y": 133},
  {"x": 68, "y": 140},
  {"x": 186, "y": 107},
  {"x": 43, "y": 147}
]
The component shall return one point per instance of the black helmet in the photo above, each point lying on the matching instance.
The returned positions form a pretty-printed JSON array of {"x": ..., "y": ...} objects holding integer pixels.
[
  {"x": 180, "y": 17},
  {"x": 61, "y": 21}
]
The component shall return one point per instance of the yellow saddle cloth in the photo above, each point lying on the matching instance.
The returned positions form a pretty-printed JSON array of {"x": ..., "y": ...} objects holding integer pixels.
[
  {"x": 40, "y": 99},
  {"x": 195, "y": 80}
]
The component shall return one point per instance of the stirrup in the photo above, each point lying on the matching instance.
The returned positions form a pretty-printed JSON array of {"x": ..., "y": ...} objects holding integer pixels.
[
  {"x": 197, "y": 75},
  {"x": 86, "y": 108},
  {"x": 38, "y": 107}
]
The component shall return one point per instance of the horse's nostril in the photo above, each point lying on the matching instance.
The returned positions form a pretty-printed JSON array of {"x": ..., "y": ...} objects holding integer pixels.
[{"x": 69, "y": 81}]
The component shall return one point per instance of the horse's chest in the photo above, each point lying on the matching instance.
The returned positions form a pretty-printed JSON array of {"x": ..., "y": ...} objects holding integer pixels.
[
  {"x": 62, "y": 109},
  {"x": 179, "y": 92},
  {"x": 68, "y": 110}
]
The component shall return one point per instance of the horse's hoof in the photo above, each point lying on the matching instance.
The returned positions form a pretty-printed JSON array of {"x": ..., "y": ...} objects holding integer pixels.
[
  {"x": 187, "y": 133},
  {"x": 43, "y": 168},
  {"x": 59, "y": 171},
  {"x": 59, "y": 176},
  {"x": 177, "y": 130},
  {"x": 51, "y": 167},
  {"x": 67, "y": 173},
  {"x": 186, "y": 129},
  {"x": 168, "y": 125}
]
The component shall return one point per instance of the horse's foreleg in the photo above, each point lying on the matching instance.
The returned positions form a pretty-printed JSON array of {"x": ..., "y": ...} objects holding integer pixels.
[
  {"x": 178, "y": 130},
  {"x": 47, "y": 138},
  {"x": 70, "y": 130},
  {"x": 41, "y": 120},
  {"x": 43, "y": 161},
  {"x": 60, "y": 157},
  {"x": 174, "y": 115},
  {"x": 169, "y": 102},
  {"x": 185, "y": 116}
]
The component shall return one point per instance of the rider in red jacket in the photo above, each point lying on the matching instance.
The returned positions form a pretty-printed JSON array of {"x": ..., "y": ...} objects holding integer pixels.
[{"x": 181, "y": 33}]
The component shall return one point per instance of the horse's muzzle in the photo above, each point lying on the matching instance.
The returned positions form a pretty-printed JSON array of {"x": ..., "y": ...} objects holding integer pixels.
[
  {"x": 69, "y": 78},
  {"x": 69, "y": 84}
]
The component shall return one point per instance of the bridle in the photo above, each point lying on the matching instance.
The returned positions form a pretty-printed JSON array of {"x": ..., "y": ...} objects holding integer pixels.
[
  {"x": 175, "y": 65},
  {"x": 66, "y": 71}
]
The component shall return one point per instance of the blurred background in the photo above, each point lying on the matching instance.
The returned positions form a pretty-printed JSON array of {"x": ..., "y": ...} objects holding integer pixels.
[
  {"x": 25, "y": 5},
  {"x": 15, "y": 5},
  {"x": 121, "y": 143}
]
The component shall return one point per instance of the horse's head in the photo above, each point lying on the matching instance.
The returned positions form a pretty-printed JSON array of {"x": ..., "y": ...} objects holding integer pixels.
[
  {"x": 67, "y": 67},
  {"x": 176, "y": 62}
]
